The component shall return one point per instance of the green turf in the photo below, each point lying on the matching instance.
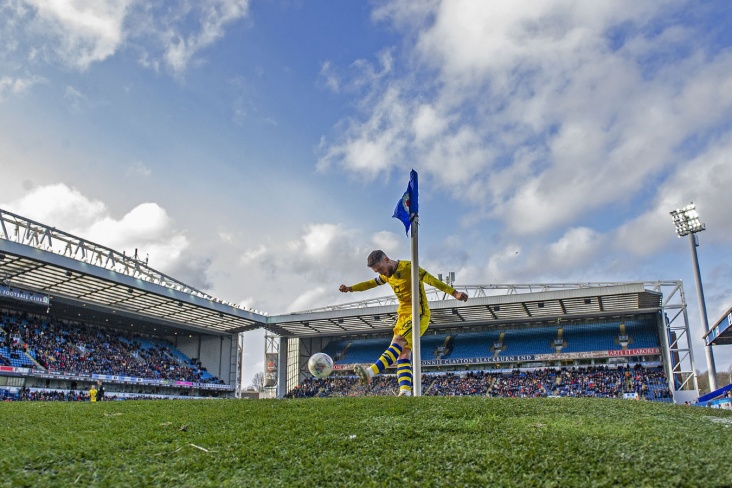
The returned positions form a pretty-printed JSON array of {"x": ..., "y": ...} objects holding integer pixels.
[{"x": 376, "y": 441}]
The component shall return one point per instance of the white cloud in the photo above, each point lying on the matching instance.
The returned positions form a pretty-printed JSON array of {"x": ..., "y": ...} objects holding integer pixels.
[
  {"x": 427, "y": 123},
  {"x": 307, "y": 298},
  {"x": 575, "y": 248},
  {"x": 388, "y": 242},
  {"x": 184, "y": 30},
  {"x": 645, "y": 234},
  {"x": 539, "y": 113},
  {"x": 16, "y": 85},
  {"x": 75, "y": 99},
  {"x": 138, "y": 168},
  {"x": 305, "y": 271},
  {"x": 82, "y": 31},
  {"x": 317, "y": 239},
  {"x": 328, "y": 77},
  {"x": 502, "y": 263},
  {"x": 253, "y": 254},
  {"x": 313, "y": 253},
  {"x": 375, "y": 145},
  {"x": 59, "y": 206},
  {"x": 705, "y": 180},
  {"x": 147, "y": 227},
  {"x": 79, "y": 33}
]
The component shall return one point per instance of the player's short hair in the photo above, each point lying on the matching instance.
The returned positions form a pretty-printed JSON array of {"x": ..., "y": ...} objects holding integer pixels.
[{"x": 375, "y": 257}]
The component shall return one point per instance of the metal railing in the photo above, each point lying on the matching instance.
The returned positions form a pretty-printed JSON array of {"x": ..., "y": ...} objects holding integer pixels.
[
  {"x": 21, "y": 230},
  {"x": 479, "y": 291}
]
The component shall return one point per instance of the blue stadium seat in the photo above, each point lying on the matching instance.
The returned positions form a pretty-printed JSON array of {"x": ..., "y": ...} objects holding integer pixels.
[
  {"x": 22, "y": 361},
  {"x": 471, "y": 344},
  {"x": 335, "y": 349},
  {"x": 365, "y": 351},
  {"x": 64, "y": 347}
]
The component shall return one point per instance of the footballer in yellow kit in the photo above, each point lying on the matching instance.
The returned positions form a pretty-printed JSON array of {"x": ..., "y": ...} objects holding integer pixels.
[
  {"x": 401, "y": 282},
  {"x": 398, "y": 275}
]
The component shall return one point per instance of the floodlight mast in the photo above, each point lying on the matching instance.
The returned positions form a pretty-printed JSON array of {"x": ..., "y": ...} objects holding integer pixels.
[{"x": 687, "y": 222}]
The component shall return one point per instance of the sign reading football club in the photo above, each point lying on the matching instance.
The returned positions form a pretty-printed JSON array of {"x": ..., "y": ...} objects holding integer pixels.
[{"x": 24, "y": 295}]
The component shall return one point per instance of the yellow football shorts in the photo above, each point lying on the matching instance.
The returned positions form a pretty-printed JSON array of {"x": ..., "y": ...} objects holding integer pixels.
[{"x": 403, "y": 327}]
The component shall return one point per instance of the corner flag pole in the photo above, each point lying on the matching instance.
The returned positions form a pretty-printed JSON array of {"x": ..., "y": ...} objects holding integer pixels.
[
  {"x": 416, "y": 348},
  {"x": 407, "y": 211}
]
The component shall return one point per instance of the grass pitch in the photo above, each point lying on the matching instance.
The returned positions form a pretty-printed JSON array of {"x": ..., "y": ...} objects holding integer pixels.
[{"x": 376, "y": 441}]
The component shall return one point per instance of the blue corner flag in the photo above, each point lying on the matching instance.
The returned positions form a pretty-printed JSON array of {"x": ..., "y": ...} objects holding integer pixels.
[{"x": 409, "y": 203}]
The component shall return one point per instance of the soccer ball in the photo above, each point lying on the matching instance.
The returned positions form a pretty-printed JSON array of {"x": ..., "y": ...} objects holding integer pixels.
[{"x": 320, "y": 365}]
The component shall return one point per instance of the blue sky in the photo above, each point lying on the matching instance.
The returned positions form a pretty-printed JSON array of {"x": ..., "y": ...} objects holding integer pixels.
[{"x": 256, "y": 149}]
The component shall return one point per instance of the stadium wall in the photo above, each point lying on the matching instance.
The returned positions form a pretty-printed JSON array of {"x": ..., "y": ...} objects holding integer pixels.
[{"x": 212, "y": 350}]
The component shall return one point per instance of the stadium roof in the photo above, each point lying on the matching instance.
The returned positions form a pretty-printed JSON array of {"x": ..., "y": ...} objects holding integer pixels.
[
  {"x": 528, "y": 309},
  {"x": 79, "y": 285},
  {"x": 78, "y": 275},
  {"x": 721, "y": 332},
  {"x": 94, "y": 282}
]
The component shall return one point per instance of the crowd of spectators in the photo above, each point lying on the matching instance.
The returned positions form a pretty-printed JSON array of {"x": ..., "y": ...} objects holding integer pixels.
[
  {"x": 28, "y": 395},
  {"x": 87, "y": 349},
  {"x": 595, "y": 381}
]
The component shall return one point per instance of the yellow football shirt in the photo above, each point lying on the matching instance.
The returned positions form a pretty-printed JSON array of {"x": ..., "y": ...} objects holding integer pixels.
[{"x": 401, "y": 283}]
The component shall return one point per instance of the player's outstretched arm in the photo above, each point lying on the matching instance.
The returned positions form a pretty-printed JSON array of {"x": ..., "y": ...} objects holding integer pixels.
[
  {"x": 345, "y": 289},
  {"x": 460, "y": 295}
]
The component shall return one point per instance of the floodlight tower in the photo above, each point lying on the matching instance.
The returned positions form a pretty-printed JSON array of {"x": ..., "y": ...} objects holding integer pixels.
[{"x": 687, "y": 222}]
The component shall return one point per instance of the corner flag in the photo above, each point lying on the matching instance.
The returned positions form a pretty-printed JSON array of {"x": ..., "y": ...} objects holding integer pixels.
[
  {"x": 409, "y": 203},
  {"x": 407, "y": 210}
]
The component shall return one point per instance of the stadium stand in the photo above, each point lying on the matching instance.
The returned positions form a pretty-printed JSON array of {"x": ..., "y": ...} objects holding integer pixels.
[
  {"x": 602, "y": 336},
  {"x": 433, "y": 346},
  {"x": 599, "y": 382},
  {"x": 91, "y": 293},
  {"x": 529, "y": 341},
  {"x": 366, "y": 350},
  {"x": 65, "y": 347},
  {"x": 470, "y": 344},
  {"x": 596, "y": 361}
]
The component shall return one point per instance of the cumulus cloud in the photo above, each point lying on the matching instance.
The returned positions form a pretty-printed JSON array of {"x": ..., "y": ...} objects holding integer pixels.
[
  {"x": 138, "y": 168},
  {"x": 309, "y": 297},
  {"x": 318, "y": 248},
  {"x": 328, "y": 77},
  {"x": 252, "y": 254},
  {"x": 79, "y": 33},
  {"x": 575, "y": 248},
  {"x": 60, "y": 206},
  {"x": 504, "y": 265},
  {"x": 540, "y": 113},
  {"x": 305, "y": 271},
  {"x": 705, "y": 180},
  {"x": 183, "y": 31},
  {"x": 146, "y": 228},
  {"x": 16, "y": 85},
  {"x": 388, "y": 242},
  {"x": 374, "y": 145},
  {"x": 193, "y": 271},
  {"x": 75, "y": 99}
]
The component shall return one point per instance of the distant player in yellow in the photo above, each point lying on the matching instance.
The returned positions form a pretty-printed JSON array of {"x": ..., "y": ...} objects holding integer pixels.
[
  {"x": 398, "y": 274},
  {"x": 93, "y": 393}
]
